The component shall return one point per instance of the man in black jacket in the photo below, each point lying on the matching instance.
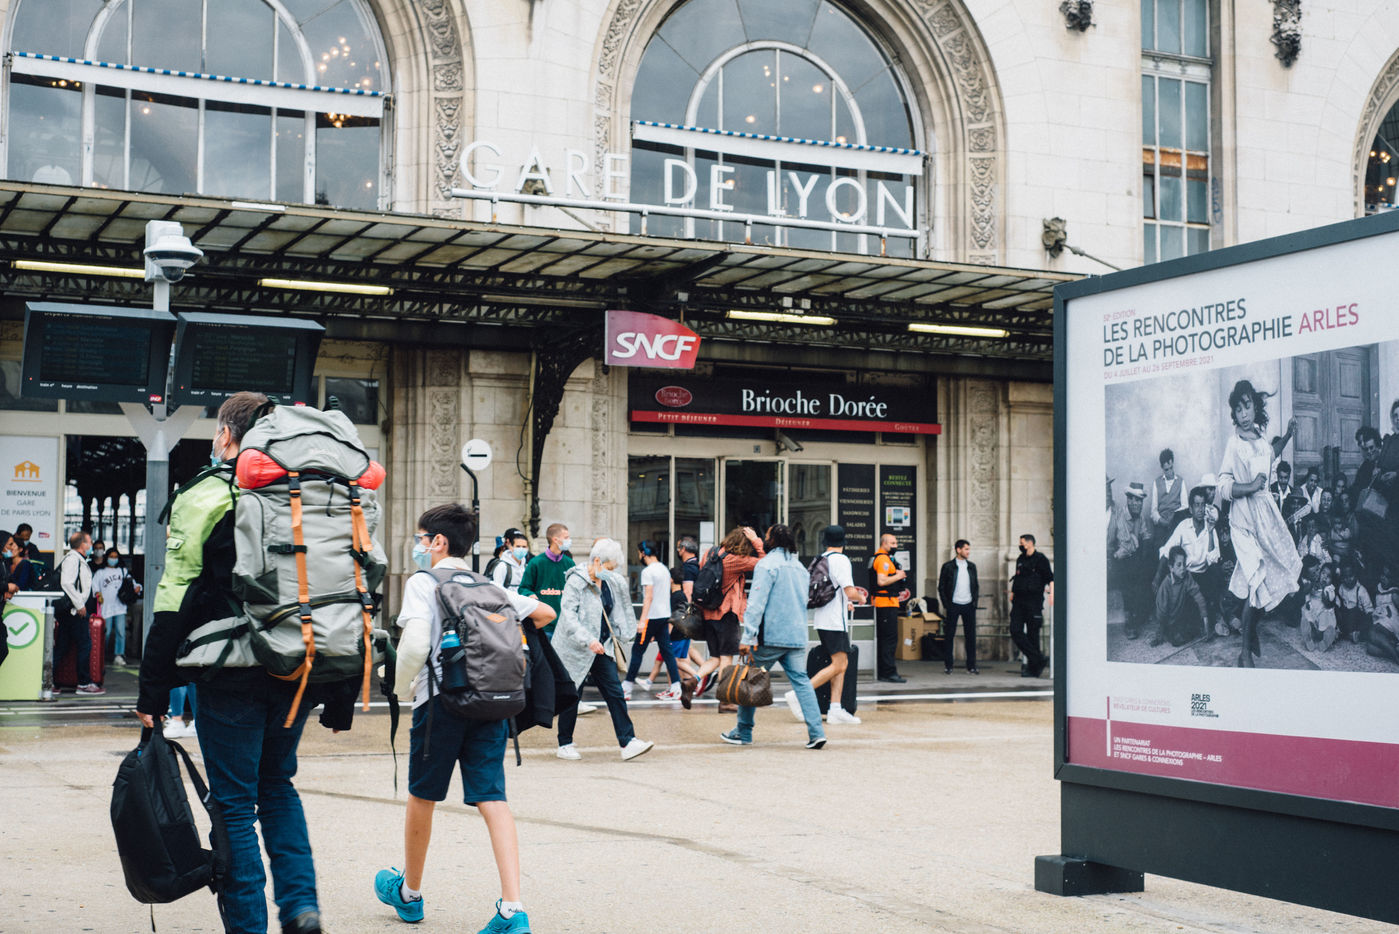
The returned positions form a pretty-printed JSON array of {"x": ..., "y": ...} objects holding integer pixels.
[
  {"x": 1033, "y": 578},
  {"x": 958, "y": 590}
]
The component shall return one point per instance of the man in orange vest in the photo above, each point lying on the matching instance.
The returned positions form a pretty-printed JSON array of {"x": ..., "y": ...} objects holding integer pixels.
[{"x": 886, "y": 575}]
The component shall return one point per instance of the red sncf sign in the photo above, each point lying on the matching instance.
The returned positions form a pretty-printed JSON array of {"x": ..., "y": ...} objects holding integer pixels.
[{"x": 638, "y": 339}]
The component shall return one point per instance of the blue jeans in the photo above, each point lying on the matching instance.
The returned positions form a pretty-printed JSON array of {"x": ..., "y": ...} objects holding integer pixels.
[
  {"x": 251, "y": 758},
  {"x": 793, "y": 662},
  {"x": 178, "y": 696},
  {"x": 657, "y": 631},
  {"x": 116, "y": 633}
]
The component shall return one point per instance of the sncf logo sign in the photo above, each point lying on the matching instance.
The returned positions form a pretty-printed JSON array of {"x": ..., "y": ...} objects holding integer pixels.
[{"x": 637, "y": 339}]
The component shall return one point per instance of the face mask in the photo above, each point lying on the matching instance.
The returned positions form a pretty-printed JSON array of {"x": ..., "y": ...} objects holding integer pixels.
[
  {"x": 1022, "y": 549},
  {"x": 520, "y": 553},
  {"x": 566, "y": 545},
  {"x": 420, "y": 556},
  {"x": 7, "y": 554},
  {"x": 111, "y": 562}
]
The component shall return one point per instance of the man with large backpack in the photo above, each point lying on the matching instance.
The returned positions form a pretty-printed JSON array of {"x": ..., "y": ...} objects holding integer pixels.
[
  {"x": 444, "y": 736},
  {"x": 249, "y": 747}
]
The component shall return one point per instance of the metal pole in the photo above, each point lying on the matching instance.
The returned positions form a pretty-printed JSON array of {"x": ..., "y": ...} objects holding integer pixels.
[
  {"x": 475, "y": 511},
  {"x": 157, "y": 492}
]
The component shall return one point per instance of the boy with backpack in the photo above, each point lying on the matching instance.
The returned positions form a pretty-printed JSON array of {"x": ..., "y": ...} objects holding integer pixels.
[{"x": 441, "y": 741}]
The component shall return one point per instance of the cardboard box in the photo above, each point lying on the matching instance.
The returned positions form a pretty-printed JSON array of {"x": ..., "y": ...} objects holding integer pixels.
[{"x": 911, "y": 632}]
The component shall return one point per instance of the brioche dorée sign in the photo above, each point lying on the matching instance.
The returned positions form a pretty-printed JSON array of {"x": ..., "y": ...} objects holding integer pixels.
[{"x": 634, "y": 338}]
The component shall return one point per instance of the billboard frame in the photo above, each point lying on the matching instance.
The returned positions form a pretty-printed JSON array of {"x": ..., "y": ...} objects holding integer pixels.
[{"x": 1115, "y": 826}]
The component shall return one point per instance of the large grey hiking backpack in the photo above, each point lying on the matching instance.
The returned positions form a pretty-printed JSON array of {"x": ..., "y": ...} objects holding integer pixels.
[
  {"x": 308, "y": 568},
  {"x": 482, "y": 649}
]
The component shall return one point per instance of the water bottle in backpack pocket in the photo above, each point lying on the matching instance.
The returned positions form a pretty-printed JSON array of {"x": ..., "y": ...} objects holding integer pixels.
[
  {"x": 451, "y": 658},
  {"x": 482, "y": 648}
]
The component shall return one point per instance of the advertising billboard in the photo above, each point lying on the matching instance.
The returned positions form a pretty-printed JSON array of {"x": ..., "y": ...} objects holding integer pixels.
[{"x": 1233, "y": 438}]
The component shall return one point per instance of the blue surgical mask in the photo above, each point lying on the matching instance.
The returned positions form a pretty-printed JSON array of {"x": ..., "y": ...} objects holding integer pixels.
[
  {"x": 566, "y": 545},
  {"x": 7, "y": 554},
  {"x": 111, "y": 562},
  {"x": 420, "y": 556},
  {"x": 519, "y": 553}
]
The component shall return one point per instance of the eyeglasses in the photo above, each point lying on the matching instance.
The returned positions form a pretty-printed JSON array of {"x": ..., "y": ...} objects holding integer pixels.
[{"x": 426, "y": 535}]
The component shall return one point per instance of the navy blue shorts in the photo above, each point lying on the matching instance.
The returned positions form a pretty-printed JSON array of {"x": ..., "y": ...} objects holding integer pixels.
[{"x": 478, "y": 746}]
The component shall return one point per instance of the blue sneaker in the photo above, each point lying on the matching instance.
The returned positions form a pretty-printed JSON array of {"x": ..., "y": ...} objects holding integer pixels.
[
  {"x": 388, "y": 886},
  {"x": 518, "y": 923}
]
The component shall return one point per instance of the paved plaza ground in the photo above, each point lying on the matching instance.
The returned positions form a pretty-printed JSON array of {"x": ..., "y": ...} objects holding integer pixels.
[{"x": 927, "y": 817}]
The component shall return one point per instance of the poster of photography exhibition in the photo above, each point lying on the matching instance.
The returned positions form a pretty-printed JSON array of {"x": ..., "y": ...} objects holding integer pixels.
[{"x": 1233, "y": 524}]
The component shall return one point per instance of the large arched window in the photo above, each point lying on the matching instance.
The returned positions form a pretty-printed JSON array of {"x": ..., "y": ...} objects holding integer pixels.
[
  {"x": 267, "y": 99},
  {"x": 772, "y": 105}
]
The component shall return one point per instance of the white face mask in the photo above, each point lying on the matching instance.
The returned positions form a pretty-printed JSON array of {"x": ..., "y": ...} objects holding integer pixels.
[{"x": 565, "y": 545}]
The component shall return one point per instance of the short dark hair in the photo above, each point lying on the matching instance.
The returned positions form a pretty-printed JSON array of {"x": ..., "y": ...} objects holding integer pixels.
[
  {"x": 1199, "y": 491},
  {"x": 1166, "y": 455},
  {"x": 1284, "y": 466},
  {"x": 454, "y": 522},
  {"x": 1366, "y": 433},
  {"x": 236, "y": 413},
  {"x": 24, "y": 527},
  {"x": 960, "y": 542},
  {"x": 647, "y": 548},
  {"x": 1029, "y": 538},
  {"x": 1176, "y": 551},
  {"x": 833, "y": 536},
  {"x": 780, "y": 536},
  {"x": 687, "y": 543}
]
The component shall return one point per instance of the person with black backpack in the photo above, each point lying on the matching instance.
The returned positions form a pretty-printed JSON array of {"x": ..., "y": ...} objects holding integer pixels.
[
  {"x": 722, "y": 600},
  {"x": 446, "y": 735},
  {"x": 831, "y": 592}
]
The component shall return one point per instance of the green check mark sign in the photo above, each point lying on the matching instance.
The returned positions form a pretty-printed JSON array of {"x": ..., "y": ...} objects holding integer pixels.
[{"x": 22, "y": 626}]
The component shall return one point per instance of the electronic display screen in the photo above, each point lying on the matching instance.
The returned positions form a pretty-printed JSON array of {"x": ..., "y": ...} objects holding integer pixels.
[
  {"x": 217, "y": 355},
  {"x": 92, "y": 352}
]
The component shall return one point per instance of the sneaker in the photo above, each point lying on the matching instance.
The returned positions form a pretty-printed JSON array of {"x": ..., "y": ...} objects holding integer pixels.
[
  {"x": 794, "y": 705},
  {"x": 705, "y": 684},
  {"x": 119, "y": 661},
  {"x": 173, "y": 729},
  {"x": 637, "y": 747},
  {"x": 733, "y": 739},
  {"x": 91, "y": 689},
  {"x": 626, "y": 690},
  {"x": 585, "y": 708},
  {"x": 644, "y": 683},
  {"x": 518, "y": 923},
  {"x": 569, "y": 752},
  {"x": 388, "y": 885},
  {"x": 841, "y": 715},
  {"x": 670, "y": 693},
  {"x": 816, "y": 743}
]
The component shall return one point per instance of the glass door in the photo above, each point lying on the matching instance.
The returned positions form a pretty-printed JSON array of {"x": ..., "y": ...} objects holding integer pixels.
[
  {"x": 808, "y": 505},
  {"x": 752, "y": 494}
]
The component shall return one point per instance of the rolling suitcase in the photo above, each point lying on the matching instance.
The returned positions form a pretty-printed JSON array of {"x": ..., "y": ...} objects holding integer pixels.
[
  {"x": 65, "y": 669},
  {"x": 819, "y": 658}
]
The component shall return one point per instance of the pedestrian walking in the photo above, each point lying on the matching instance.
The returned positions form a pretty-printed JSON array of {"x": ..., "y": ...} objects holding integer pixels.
[
  {"x": 544, "y": 574},
  {"x": 654, "y": 625},
  {"x": 832, "y": 622},
  {"x": 740, "y": 552},
  {"x": 1033, "y": 579},
  {"x": 107, "y": 583},
  {"x": 958, "y": 590},
  {"x": 509, "y": 570}
]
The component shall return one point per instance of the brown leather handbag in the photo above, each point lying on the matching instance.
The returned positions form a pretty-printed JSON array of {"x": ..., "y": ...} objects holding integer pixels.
[{"x": 744, "y": 683}]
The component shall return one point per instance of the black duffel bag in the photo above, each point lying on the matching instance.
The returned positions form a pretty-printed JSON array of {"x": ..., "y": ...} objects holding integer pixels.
[{"x": 688, "y": 620}]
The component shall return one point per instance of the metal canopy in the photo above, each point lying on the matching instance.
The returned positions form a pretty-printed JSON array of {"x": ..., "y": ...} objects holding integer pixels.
[{"x": 446, "y": 270}]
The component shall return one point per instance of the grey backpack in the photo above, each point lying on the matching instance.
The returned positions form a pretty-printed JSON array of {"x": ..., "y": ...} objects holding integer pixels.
[
  {"x": 483, "y": 668},
  {"x": 308, "y": 568}
]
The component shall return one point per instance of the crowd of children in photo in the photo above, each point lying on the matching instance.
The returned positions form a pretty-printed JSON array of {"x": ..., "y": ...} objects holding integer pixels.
[{"x": 1315, "y": 552}]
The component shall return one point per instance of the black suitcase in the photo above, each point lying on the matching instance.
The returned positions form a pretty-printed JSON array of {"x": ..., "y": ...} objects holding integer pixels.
[{"x": 819, "y": 658}]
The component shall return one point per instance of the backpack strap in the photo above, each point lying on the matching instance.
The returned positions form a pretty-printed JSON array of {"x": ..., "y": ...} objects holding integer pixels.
[
  {"x": 360, "y": 545},
  {"x": 303, "y": 598}
]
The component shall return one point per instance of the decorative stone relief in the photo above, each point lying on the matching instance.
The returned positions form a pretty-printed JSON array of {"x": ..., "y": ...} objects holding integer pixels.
[
  {"x": 981, "y": 460},
  {"x": 600, "y": 432},
  {"x": 443, "y": 368},
  {"x": 1287, "y": 30},
  {"x": 444, "y": 446},
  {"x": 448, "y": 80},
  {"x": 1078, "y": 14}
]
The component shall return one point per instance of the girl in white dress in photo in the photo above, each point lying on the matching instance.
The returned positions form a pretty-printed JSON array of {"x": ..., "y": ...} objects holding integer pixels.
[{"x": 1268, "y": 566}]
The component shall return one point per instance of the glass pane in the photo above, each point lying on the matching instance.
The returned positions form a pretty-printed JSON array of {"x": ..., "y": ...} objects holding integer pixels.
[
  {"x": 358, "y": 398},
  {"x": 1196, "y": 31},
  {"x": 694, "y": 498},
  {"x": 54, "y": 28},
  {"x": 1197, "y": 116},
  {"x": 789, "y": 21},
  {"x": 1148, "y": 195},
  {"x": 804, "y": 109},
  {"x": 291, "y": 156},
  {"x": 882, "y": 107},
  {"x": 1168, "y": 25},
  {"x": 1148, "y": 243},
  {"x": 164, "y": 131},
  {"x": 167, "y": 34},
  {"x": 752, "y": 494},
  {"x": 343, "y": 49},
  {"x": 839, "y": 42},
  {"x": 1170, "y": 198},
  {"x": 290, "y": 66},
  {"x": 240, "y": 39},
  {"x": 845, "y": 121},
  {"x": 663, "y": 86},
  {"x": 1172, "y": 242},
  {"x": 45, "y": 131},
  {"x": 237, "y": 150},
  {"x": 1148, "y": 24},
  {"x": 648, "y": 187},
  {"x": 808, "y": 505},
  {"x": 749, "y": 194},
  {"x": 648, "y": 511},
  {"x": 111, "y": 46},
  {"x": 1199, "y": 238},
  {"x": 707, "y": 110},
  {"x": 1168, "y": 104},
  {"x": 749, "y": 93},
  {"x": 303, "y": 10},
  {"x": 1148, "y": 110},
  {"x": 347, "y": 161},
  {"x": 702, "y": 29},
  {"x": 93, "y": 407},
  {"x": 1197, "y": 196},
  {"x": 109, "y": 138},
  {"x": 9, "y": 392}
]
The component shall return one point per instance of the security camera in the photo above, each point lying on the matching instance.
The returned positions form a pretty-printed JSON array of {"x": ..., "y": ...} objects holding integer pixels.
[
  {"x": 787, "y": 443},
  {"x": 168, "y": 252}
]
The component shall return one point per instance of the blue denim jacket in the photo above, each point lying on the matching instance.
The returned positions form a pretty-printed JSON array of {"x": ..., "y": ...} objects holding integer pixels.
[{"x": 777, "y": 600}]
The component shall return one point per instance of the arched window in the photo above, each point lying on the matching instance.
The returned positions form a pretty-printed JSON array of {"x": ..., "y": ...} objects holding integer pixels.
[
  {"x": 269, "y": 99},
  {"x": 1382, "y": 166},
  {"x": 772, "y": 105}
]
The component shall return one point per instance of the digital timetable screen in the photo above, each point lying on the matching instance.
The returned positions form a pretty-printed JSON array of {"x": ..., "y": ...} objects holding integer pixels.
[
  {"x": 95, "y": 352},
  {"x": 217, "y": 355}
]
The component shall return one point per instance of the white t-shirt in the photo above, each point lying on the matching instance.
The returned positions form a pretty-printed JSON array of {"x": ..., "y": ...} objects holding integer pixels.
[
  {"x": 832, "y": 615},
  {"x": 107, "y": 582},
  {"x": 657, "y": 577},
  {"x": 420, "y": 602}
]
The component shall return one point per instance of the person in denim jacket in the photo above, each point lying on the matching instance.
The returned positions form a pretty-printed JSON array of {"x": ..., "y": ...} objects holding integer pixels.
[{"x": 774, "y": 632}]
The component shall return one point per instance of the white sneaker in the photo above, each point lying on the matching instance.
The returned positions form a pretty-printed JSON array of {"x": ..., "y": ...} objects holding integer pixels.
[
  {"x": 841, "y": 715},
  {"x": 636, "y": 748},
  {"x": 626, "y": 690},
  {"x": 644, "y": 683},
  {"x": 190, "y": 731},
  {"x": 794, "y": 705},
  {"x": 173, "y": 729},
  {"x": 584, "y": 708},
  {"x": 670, "y": 693},
  {"x": 119, "y": 661},
  {"x": 569, "y": 752}
]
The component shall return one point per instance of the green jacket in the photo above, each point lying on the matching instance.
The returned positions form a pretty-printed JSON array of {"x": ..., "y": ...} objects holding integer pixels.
[{"x": 544, "y": 579}]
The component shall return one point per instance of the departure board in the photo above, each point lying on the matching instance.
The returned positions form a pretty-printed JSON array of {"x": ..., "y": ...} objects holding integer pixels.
[
  {"x": 240, "y": 357},
  {"x": 95, "y": 352}
]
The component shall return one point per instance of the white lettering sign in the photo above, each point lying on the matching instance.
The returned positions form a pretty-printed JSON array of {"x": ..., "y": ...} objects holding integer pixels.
[{"x": 653, "y": 347}]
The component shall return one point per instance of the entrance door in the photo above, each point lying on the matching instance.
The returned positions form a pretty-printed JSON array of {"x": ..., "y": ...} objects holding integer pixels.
[
  {"x": 752, "y": 494},
  {"x": 759, "y": 493},
  {"x": 1331, "y": 400}
]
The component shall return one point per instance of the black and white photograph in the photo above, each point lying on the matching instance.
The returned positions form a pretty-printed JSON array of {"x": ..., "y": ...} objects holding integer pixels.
[{"x": 1247, "y": 514}]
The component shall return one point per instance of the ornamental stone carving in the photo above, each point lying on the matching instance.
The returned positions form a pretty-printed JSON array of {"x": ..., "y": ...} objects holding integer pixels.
[
  {"x": 443, "y": 429},
  {"x": 981, "y": 464},
  {"x": 447, "y": 75},
  {"x": 1287, "y": 30}
]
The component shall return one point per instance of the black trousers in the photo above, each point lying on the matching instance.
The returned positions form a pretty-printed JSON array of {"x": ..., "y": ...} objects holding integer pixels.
[
  {"x": 70, "y": 629},
  {"x": 1026, "y": 618},
  {"x": 886, "y": 634},
  {"x": 604, "y": 672},
  {"x": 967, "y": 613}
]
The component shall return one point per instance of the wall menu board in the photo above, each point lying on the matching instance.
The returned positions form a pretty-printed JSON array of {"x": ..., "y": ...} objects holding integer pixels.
[
  {"x": 217, "y": 355},
  {"x": 95, "y": 352},
  {"x": 855, "y": 511},
  {"x": 898, "y": 505}
]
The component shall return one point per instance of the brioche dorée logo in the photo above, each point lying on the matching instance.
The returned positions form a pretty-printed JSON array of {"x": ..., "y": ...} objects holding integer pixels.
[
  {"x": 634, "y": 338},
  {"x": 674, "y": 397}
]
